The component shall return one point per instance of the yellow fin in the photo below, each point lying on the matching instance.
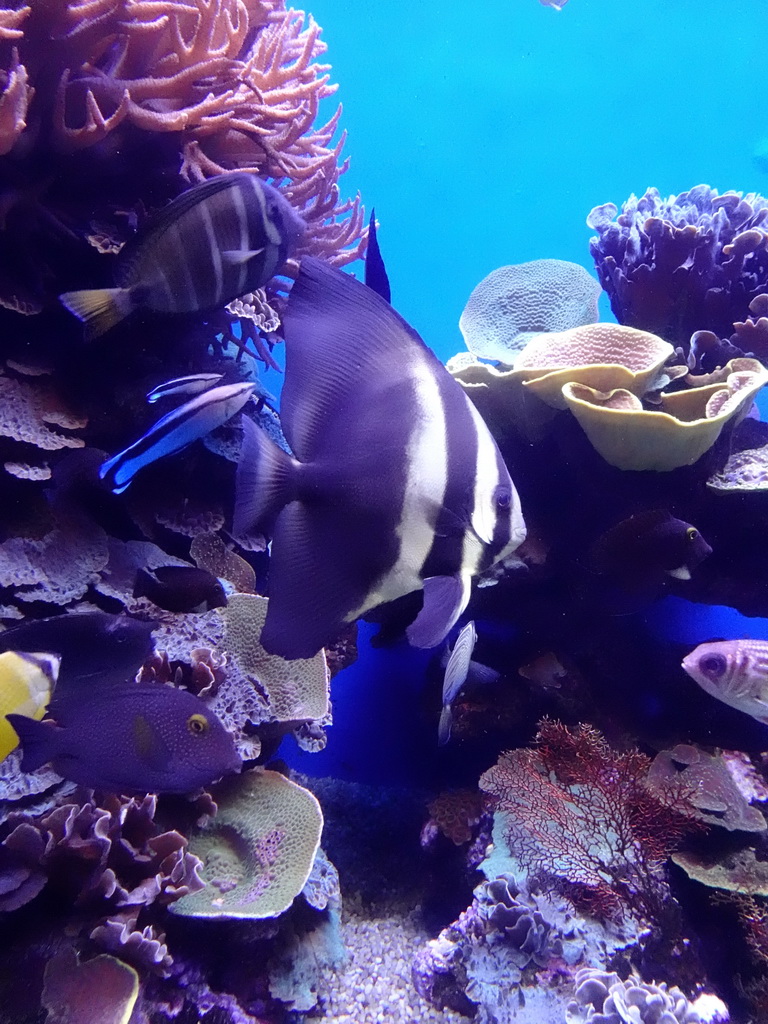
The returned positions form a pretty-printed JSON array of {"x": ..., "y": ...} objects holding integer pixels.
[
  {"x": 26, "y": 681},
  {"x": 99, "y": 309}
]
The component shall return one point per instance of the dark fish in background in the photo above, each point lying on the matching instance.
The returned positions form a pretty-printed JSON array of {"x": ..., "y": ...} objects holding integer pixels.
[
  {"x": 220, "y": 239},
  {"x": 91, "y": 645},
  {"x": 396, "y": 485},
  {"x": 648, "y": 545},
  {"x": 130, "y": 739},
  {"x": 179, "y": 428},
  {"x": 460, "y": 670},
  {"x": 180, "y": 588},
  {"x": 375, "y": 271},
  {"x": 194, "y": 384}
]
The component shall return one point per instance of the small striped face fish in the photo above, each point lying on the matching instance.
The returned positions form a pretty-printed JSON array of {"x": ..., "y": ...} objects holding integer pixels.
[
  {"x": 220, "y": 239},
  {"x": 735, "y": 672},
  {"x": 182, "y": 426}
]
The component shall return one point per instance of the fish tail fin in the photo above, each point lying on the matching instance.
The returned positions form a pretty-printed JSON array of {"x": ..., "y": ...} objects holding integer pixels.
[
  {"x": 143, "y": 583},
  {"x": 444, "y": 725},
  {"x": 99, "y": 308},
  {"x": 37, "y": 738},
  {"x": 265, "y": 480}
]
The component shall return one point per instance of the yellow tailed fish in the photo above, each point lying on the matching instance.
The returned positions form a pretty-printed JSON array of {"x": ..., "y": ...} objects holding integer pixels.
[{"x": 26, "y": 683}]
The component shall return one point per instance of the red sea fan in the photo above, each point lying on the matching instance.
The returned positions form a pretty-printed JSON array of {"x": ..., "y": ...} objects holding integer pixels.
[{"x": 578, "y": 811}]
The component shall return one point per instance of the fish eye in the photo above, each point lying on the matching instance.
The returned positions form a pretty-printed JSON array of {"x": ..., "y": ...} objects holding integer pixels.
[
  {"x": 691, "y": 533},
  {"x": 502, "y": 497},
  {"x": 713, "y": 664},
  {"x": 197, "y": 724}
]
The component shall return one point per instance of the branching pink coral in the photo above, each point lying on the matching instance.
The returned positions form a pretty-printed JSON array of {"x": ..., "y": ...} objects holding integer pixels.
[{"x": 579, "y": 811}]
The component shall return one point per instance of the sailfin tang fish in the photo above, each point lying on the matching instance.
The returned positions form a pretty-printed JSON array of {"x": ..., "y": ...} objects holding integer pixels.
[
  {"x": 222, "y": 238},
  {"x": 395, "y": 483},
  {"x": 179, "y": 428},
  {"x": 26, "y": 683},
  {"x": 131, "y": 739},
  {"x": 191, "y": 385},
  {"x": 375, "y": 271},
  {"x": 735, "y": 672}
]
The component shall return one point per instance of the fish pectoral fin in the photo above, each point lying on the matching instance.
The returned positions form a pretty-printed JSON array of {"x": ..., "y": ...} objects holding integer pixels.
[
  {"x": 150, "y": 746},
  {"x": 236, "y": 257},
  {"x": 445, "y": 598},
  {"x": 681, "y": 573}
]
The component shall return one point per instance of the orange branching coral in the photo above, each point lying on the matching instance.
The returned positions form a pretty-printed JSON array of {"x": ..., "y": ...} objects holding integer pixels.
[
  {"x": 577, "y": 810},
  {"x": 237, "y": 80}
]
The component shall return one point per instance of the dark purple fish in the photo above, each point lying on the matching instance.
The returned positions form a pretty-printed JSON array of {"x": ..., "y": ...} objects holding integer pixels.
[
  {"x": 131, "y": 739},
  {"x": 91, "y": 645},
  {"x": 648, "y": 545},
  {"x": 180, "y": 588}
]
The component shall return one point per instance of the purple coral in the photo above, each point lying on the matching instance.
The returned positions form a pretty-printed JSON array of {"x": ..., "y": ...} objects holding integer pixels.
[{"x": 683, "y": 263}]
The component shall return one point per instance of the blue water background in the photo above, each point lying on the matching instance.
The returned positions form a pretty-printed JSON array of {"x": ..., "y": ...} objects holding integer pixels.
[{"x": 484, "y": 133}]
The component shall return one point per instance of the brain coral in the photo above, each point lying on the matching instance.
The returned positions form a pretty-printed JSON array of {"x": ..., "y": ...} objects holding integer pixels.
[
  {"x": 684, "y": 263},
  {"x": 513, "y": 303}
]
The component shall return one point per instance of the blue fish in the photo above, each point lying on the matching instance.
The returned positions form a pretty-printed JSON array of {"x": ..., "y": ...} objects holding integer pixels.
[
  {"x": 220, "y": 239},
  {"x": 130, "y": 739},
  {"x": 396, "y": 484},
  {"x": 176, "y": 430},
  {"x": 191, "y": 385}
]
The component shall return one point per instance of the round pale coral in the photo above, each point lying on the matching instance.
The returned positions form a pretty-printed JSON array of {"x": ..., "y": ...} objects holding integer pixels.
[
  {"x": 258, "y": 851},
  {"x": 513, "y": 303}
]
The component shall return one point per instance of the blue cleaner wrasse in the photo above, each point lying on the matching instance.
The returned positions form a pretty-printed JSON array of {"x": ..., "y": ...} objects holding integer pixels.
[
  {"x": 218, "y": 240},
  {"x": 395, "y": 484},
  {"x": 27, "y": 680},
  {"x": 194, "y": 384},
  {"x": 176, "y": 430}
]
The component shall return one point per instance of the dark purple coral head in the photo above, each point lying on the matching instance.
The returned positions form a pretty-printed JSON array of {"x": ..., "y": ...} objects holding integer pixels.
[{"x": 683, "y": 263}]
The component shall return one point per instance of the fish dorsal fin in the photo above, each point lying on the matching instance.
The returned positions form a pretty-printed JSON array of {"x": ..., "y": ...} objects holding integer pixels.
[
  {"x": 338, "y": 332},
  {"x": 445, "y": 598},
  {"x": 161, "y": 221},
  {"x": 376, "y": 276}
]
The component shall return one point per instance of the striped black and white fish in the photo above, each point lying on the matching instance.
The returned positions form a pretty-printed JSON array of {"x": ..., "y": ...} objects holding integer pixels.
[
  {"x": 216, "y": 241},
  {"x": 182, "y": 426},
  {"x": 396, "y": 483}
]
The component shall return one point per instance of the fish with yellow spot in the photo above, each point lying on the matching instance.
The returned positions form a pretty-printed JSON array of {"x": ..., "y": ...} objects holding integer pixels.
[
  {"x": 134, "y": 738},
  {"x": 26, "y": 683}
]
